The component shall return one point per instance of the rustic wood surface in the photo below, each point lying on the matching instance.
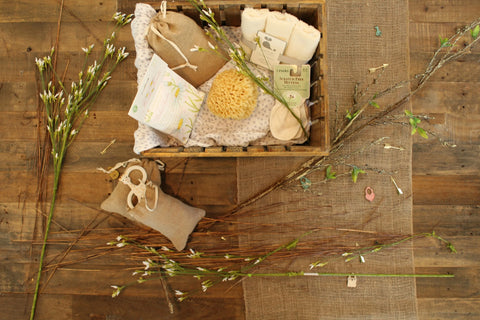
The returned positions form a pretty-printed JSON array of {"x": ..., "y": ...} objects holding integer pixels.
[{"x": 446, "y": 181}]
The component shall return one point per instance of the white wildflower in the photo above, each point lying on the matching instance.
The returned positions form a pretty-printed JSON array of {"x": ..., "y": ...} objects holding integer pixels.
[
  {"x": 40, "y": 64},
  {"x": 179, "y": 293},
  {"x": 362, "y": 259},
  {"x": 121, "y": 244},
  {"x": 208, "y": 12},
  {"x": 194, "y": 254},
  {"x": 195, "y": 48},
  {"x": 165, "y": 249},
  {"x": 201, "y": 269},
  {"x": 148, "y": 263},
  {"x": 117, "y": 291},
  {"x": 318, "y": 264},
  {"x": 227, "y": 256},
  {"x": 109, "y": 49},
  {"x": 88, "y": 49},
  {"x": 119, "y": 238},
  {"x": 206, "y": 284},
  {"x": 211, "y": 45},
  {"x": 121, "y": 54}
]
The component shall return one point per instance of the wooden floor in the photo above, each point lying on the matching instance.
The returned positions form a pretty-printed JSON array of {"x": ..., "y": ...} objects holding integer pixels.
[{"x": 446, "y": 180}]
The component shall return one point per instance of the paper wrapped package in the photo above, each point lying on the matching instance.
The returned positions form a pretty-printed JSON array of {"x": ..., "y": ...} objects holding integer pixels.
[
  {"x": 171, "y": 36},
  {"x": 166, "y": 102}
]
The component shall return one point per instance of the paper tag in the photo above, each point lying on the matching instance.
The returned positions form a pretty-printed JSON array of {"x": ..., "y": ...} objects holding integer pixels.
[
  {"x": 352, "y": 281},
  {"x": 293, "y": 84},
  {"x": 166, "y": 102},
  {"x": 270, "y": 49}
]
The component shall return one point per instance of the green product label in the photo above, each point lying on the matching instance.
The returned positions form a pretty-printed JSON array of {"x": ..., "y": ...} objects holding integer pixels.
[{"x": 292, "y": 83}]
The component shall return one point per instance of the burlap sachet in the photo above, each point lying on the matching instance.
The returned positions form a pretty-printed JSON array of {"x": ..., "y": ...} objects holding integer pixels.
[
  {"x": 172, "y": 35},
  {"x": 154, "y": 209}
]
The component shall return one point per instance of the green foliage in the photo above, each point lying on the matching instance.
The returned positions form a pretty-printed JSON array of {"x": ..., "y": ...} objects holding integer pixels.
[
  {"x": 444, "y": 42},
  {"x": 329, "y": 174},
  {"x": 475, "y": 32},
  {"x": 373, "y": 103},
  {"x": 355, "y": 172},
  {"x": 350, "y": 115},
  {"x": 414, "y": 122}
]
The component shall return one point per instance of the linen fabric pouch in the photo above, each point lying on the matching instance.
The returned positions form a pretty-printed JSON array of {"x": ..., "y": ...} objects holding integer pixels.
[{"x": 171, "y": 36}]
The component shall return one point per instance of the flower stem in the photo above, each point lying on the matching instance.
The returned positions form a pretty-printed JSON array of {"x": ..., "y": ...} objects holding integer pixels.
[{"x": 44, "y": 246}]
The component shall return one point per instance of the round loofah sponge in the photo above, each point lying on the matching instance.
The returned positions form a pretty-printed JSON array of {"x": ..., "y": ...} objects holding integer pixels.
[{"x": 232, "y": 95}]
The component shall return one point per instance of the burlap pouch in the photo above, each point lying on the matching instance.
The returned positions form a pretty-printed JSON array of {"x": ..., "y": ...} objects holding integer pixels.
[
  {"x": 194, "y": 66},
  {"x": 171, "y": 217},
  {"x": 157, "y": 210}
]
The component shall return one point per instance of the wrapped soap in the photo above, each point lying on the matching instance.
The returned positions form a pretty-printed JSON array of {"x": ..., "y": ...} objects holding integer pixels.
[
  {"x": 280, "y": 25},
  {"x": 303, "y": 42},
  {"x": 253, "y": 20}
]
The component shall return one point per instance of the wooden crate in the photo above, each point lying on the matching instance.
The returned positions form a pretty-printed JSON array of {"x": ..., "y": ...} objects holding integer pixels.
[{"x": 229, "y": 13}]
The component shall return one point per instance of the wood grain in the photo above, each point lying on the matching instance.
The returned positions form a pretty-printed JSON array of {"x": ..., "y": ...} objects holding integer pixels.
[{"x": 446, "y": 180}]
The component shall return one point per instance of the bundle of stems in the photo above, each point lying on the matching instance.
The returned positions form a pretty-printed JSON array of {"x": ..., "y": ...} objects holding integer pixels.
[
  {"x": 66, "y": 109},
  {"x": 163, "y": 262}
]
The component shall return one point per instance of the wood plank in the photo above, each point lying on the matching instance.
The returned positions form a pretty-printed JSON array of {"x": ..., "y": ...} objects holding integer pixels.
[
  {"x": 431, "y": 158},
  {"x": 20, "y": 67},
  {"x": 447, "y": 220},
  {"x": 447, "y": 309},
  {"x": 458, "y": 98},
  {"x": 86, "y": 306},
  {"x": 446, "y": 190},
  {"x": 17, "y": 306},
  {"x": 464, "y": 69},
  {"x": 424, "y": 36},
  {"x": 430, "y": 253},
  {"x": 48, "y": 10},
  {"x": 41, "y": 36},
  {"x": 464, "y": 285},
  {"x": 444, "y": 10}
]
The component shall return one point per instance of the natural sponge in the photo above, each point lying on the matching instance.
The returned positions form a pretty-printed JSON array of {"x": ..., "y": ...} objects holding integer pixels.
[{"x": 232, "y": 95}]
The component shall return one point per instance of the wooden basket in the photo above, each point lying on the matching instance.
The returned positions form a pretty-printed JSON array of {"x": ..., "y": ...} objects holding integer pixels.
[{"x": 229, "y": 13}]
